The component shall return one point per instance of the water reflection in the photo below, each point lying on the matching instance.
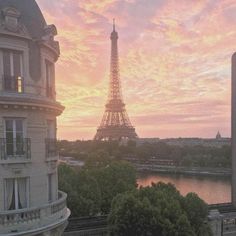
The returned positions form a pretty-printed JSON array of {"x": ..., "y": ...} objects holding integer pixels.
[{"x": 210, "y": 189}]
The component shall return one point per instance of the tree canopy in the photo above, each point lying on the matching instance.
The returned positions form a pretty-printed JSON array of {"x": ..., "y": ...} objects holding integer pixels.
[
  {"x": 91, "y": 190},
  {"x": 158, "y": 210}
]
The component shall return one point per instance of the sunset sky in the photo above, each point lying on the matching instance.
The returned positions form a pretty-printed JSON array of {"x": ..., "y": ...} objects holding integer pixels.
[{"x": 174, "y": 64}]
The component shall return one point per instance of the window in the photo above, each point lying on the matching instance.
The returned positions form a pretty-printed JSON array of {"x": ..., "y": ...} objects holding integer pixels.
[
  {"x": 13, "y": 71},
  {"x": 16, "y": 193},
  {"x": 51, "y": 129},
  {"x": 51, "y": 142},
  {"x": 14, "y": 133},
  {"x": 49, "y": 79},
  {"x": 50, "y": 194}
]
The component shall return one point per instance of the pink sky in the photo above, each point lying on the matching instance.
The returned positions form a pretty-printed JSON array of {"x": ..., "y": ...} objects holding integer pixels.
[{"x": 174, "y": 64}]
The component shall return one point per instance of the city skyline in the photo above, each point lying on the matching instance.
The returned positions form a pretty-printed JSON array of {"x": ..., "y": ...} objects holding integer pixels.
[{"x": 174, "y": 61}]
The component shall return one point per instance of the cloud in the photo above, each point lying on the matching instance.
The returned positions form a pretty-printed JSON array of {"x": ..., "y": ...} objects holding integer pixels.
[{"x": 174, "y": 64}]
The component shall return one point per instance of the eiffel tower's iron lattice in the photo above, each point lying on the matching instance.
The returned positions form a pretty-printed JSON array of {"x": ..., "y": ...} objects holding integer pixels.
[{"x": 115, "y": 123}]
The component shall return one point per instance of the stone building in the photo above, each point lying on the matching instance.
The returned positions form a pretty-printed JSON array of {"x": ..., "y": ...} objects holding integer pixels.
[{"x": 30, "y": 202}]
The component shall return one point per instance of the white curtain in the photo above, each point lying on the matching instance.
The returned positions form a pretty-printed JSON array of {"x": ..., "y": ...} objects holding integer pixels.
[
  {"x": 9, "y": 193},
  {"x": 22, "y": 192}
]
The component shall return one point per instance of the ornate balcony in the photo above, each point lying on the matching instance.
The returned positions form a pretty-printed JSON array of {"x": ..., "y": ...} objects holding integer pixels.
[
  {"x": 15, "y": 150},
  {"x": 51, "y": 148},
  {"x": 36, "y": 219}
]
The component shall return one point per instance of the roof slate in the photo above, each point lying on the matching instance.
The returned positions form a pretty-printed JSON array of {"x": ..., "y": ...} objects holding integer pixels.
[{"x": 31, "y": 15}]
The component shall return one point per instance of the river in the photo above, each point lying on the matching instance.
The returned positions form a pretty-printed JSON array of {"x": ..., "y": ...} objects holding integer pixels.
[{"x": 210, "y": 189}]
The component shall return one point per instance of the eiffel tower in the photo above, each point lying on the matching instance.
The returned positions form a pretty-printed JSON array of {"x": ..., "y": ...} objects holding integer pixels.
[{"x": 115, "y": 123}]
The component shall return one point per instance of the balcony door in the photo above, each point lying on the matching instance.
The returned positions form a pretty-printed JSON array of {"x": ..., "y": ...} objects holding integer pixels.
[
  {"x": 16, "y": 193},
  {"x": 13, "y": 71},
  {"x": 14, "y": 134}
]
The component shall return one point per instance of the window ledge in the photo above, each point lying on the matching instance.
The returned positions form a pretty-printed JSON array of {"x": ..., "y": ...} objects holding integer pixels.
[
  {"x": 15, "y": 161},
  {"x": 53, "y": 158}
]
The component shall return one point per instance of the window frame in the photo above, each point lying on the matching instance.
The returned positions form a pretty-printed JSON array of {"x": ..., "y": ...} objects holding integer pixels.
[
  {"x": 50, "y": 187},
  {"x": 14, "y": 131},
  {"x": 19, "y": 87},
  {"x": 16, "y": 197},
  {"x": 49, "y": 78}
]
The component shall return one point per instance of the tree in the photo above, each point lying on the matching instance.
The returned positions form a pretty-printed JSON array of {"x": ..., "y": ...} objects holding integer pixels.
[
  {"x": 97, "y": 159},
  {"x": 197, "y": 211},
  {"x": 91, "y": 190},
  {"x": 84, "y": 196},
  {"x": 116, "y": 178},
  {"x": 157, "y": 210}
]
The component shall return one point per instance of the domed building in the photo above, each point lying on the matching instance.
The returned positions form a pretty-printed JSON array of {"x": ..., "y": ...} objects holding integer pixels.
[
  {"x": 218, "y": 135},
  {"x": 30, "y": 202}
]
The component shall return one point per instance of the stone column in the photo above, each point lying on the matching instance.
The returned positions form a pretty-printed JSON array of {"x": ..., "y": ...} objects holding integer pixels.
[
  {"x": 215, "y": 221},
  {"x": 233, "y": 128}
]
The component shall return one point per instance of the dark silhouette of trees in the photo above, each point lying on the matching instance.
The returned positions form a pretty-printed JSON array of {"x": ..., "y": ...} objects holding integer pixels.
[{"x": 199, "y": 155}]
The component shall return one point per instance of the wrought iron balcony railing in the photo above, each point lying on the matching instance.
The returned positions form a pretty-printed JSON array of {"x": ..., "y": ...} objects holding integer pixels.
[
  {"x": 15, "y": 149},
  {"x": 13, "y": 83},
  {"x": 51, "y": 148}
]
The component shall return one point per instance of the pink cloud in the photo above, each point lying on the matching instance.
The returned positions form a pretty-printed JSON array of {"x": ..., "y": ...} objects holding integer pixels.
[{"x": 174, "y": 63}]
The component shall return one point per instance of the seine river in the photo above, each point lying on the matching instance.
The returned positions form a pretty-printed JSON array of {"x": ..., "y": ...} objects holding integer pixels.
[{"x": 210, "y": 189}]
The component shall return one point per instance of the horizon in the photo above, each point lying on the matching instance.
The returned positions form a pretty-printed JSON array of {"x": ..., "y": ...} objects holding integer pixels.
[
  {"x": 84, "y": 140},
  {"x": 175, "y": 68}
]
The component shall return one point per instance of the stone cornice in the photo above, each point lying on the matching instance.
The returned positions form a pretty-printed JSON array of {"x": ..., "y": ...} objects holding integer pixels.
[
  {"x": 29, "y": 103},
  {"x": 53, "y": 46},
  {"x": 15, "y": 35}
]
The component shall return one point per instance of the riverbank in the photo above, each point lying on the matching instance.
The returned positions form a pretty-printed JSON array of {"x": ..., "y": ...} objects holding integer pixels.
[{"x": 194, "y": 171}]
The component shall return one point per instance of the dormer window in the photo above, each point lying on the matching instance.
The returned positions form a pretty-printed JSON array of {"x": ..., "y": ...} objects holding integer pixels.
[
  {"x": 13, "y": 71},
  {"x": 11, "y": 18}
]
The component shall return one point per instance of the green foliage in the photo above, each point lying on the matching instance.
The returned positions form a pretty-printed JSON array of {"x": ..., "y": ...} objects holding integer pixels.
[
  {"x": 196, "y": 210},
  {"x": 84, "y": 196},
  {"x": 158, "y": 210},
  {"x": 97, "y": 159},
  {"x": 91, "y": 190},
  {"x": 202, "y": 156},
  {"x": 117, "y": 178}
]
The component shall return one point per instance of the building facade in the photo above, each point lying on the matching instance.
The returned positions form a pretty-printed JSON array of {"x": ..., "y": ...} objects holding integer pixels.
[{"x": 30, "y": 202}]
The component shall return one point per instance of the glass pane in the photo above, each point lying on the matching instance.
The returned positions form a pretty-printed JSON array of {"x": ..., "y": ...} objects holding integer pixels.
[
  {"x": 9, "y": 125},
  {"x": 19, "y": 125},
  {"x": 50, "y": 187},
  {"x": 19, "y": 85},
  {"x": 6, "y": 63},
  {"x": 49, "y": 78},
  {"x": 17, "y": 64},
  {"x": 19, "y": 148},
  {"x": 19, "y": 137},
  {"x": 22, "y": 192},
  {"x": 9, "y": 137},
  {"x": 10, "y": 149},
  {"x": 10, "y": 195}
]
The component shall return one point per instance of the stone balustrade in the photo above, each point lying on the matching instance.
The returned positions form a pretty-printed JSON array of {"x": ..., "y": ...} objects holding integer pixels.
[{"x": 30, "y": 216}]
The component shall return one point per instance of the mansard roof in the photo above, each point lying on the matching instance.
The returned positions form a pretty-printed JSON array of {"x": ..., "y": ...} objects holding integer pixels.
[{"x": 30, "y": 15}]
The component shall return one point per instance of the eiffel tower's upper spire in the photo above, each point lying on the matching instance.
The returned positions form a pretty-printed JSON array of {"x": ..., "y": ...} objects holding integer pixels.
[
  {"x": 114, "y": 34},
  {"x": 114, "y": 24}
]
